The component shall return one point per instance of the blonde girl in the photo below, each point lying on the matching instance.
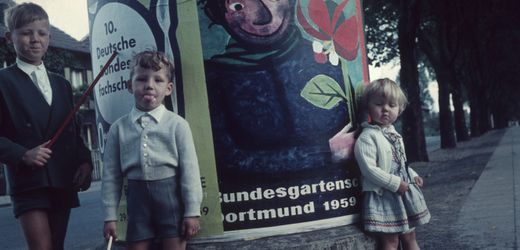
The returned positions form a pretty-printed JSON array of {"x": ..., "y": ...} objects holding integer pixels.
[{"x": 393, "y": 204}]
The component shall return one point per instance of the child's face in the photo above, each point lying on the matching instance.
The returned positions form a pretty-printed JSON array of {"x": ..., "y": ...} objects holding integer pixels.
[
  {"x": 382, "y": 110},
  {"x": 149, "y": 87},
  {"x": 31, "y": 41}
]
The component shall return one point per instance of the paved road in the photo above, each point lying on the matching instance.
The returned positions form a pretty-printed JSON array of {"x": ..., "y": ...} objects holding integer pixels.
[
  {"x": 84, "y": 228},
  {"x": 433, "y": 143}
]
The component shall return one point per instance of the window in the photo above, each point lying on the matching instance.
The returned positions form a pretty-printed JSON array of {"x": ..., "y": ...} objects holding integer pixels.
[{"x": 76, "y": 79}]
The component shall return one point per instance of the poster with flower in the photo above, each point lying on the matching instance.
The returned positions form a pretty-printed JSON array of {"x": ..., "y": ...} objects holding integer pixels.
[
  {"x": 269, "y": 90},
  {"x": 282, "y": 78}
]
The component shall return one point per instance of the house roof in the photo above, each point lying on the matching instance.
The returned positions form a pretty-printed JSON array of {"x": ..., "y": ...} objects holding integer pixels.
[{"x": 60, "y": 40}]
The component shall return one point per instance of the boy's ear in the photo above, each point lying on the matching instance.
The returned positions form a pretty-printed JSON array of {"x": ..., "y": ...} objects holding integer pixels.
[
  {"x": 169, "y": 89},
  {"x": 8, "y": 37}
]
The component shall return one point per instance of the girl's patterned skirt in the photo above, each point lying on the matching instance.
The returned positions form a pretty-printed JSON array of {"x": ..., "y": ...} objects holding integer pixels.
[{"x": 392, "y": 212}]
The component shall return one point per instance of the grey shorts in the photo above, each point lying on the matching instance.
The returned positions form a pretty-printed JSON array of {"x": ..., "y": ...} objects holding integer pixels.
[{"x": 154, "y": 209}]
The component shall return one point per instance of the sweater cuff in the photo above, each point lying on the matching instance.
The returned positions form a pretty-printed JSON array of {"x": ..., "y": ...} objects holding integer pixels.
[
  {"x": 393, "y": 183},
  {"x": 111, "y": 214},
  {"x": 192, "y": 210}
]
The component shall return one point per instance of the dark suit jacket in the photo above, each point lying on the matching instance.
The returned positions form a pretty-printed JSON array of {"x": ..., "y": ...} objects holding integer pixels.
[{"x": 26, "y": 121}]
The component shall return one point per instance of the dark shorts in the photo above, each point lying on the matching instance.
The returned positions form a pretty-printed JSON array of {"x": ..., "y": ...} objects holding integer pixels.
[
  {"x": 154, "y": 210},
  {"x": 44, "y": 198}
]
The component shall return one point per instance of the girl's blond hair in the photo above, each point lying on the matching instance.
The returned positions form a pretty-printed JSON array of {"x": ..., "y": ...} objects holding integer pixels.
[{"x": 386, "y": 88}]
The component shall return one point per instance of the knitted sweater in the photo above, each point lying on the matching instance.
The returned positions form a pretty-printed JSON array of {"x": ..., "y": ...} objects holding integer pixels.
[
  {"x": 162, "y": 149},
  {"x": 374, "y": 156}
]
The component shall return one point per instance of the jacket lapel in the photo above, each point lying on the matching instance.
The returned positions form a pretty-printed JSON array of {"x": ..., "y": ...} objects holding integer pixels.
[
  {"x": 30, "y": 96},
  {"x": 60, "y": 106}
]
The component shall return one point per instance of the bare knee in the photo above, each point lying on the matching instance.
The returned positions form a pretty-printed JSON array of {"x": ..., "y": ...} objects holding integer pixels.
[
  {"x": 389, "y": 241},
  {"x": 139, "y": 245},
  {"x": 176, "y": 243},
  {"x": 409, "y": 241}
]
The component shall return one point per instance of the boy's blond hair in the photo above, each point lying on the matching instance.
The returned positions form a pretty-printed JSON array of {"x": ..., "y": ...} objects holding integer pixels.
[
  {"x": 152, "y": 59},
  {"x": 22, "y": 14},
  {"x": 386, "y": 88}
]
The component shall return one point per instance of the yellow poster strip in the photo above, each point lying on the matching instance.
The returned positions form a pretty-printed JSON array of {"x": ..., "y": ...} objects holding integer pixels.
[{"x": 197, "y": 112}]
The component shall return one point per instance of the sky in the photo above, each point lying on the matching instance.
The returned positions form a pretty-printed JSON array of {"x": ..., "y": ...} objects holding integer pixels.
[{"x": 68, "y": 15}]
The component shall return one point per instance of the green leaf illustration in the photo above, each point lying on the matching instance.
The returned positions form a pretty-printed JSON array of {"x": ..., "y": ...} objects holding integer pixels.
[
  {"x": 146, "y": 3},
  {"x": 323, "y": 92}
]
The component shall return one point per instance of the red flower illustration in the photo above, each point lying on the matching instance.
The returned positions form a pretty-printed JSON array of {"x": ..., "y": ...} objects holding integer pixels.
[{"x": 334, "y": 34}]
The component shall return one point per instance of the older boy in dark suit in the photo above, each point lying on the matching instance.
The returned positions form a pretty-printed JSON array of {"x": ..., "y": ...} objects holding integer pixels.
[{"x": 33, "y": 104}]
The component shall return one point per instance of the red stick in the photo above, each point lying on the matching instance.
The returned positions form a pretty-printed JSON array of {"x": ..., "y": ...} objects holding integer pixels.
[{"x": 80, "y": 102}]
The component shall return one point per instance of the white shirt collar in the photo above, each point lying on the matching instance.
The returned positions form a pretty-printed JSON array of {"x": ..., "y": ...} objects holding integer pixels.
[
  {"x": 156, "y": 114},
  {"x": 29, "y": 68}
]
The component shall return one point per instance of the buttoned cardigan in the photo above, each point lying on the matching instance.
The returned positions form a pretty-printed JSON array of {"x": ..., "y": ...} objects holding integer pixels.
[
  {"x": 373, "y": 154},
  {"x": 163, "y": 149}
]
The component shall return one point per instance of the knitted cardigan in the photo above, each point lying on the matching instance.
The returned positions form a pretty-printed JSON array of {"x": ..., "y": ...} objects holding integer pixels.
[{"x": 373, "y": 154}]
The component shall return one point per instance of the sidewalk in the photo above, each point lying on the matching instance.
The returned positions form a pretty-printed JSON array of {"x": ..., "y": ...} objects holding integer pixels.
[
  {"x": 5, "y": 201},
  {"x": 490, "y": 217}
]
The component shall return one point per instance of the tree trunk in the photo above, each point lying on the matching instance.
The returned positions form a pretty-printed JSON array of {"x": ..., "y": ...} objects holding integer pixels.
[
  {"x": 473, "y": 85},
  {"x": 443, "y": 79},
  {"x": 445, "y": 116},
  {"x": 461, "y": 129},
  {"x": 413, "y": 129},
  {"x": 474, "y": 114},
  {"x": 500, "y": 117},
  {"x": 485, "y": 115},
  {"x": 435, "y": 42},
  {"x": 482, "y": 38}
]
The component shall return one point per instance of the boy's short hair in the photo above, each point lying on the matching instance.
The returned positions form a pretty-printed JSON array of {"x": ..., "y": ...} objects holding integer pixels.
[
  {"x": 152, "y": 59},
  {"x": 22, "y": 14},
  {"x": 388, "y": 89}
]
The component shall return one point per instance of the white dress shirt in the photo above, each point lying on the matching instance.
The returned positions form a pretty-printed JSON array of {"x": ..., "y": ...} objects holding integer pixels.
[{"x": 38, "y": 75}]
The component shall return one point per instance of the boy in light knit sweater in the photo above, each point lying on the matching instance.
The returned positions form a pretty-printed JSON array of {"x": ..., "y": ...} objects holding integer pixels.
[{"x": 153, "y": 148}]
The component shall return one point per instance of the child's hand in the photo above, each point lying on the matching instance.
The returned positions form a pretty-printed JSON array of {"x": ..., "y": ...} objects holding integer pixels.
[
  {"x": 342, "y": 144},
  {"x": 419, "y": 181},
  {"x": 110, "y": 229},
  {"x": 190, "y": 227},
  {"x": 83, "y": 177},
  {"x": 403, "y": 187},
  {"x": 38, "y": 156}
]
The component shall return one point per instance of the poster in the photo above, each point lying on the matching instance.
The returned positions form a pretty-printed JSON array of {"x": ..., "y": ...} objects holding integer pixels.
[
  {"x": 265, "y": 86},
  {"x": 281, "y": 79}
]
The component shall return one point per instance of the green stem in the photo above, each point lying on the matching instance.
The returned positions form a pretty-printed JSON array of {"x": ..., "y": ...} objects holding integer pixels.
[{"x": 348, "y": 92}]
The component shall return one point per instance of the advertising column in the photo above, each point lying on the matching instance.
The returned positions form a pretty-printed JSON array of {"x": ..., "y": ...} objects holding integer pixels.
[
  {"x": 282, "y": 78},
  {"x": 269, "y": 88}
]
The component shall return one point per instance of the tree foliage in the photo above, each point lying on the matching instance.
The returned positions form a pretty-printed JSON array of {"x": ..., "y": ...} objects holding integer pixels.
[
  {"x": 381, "y": 20},
  {"x": 472, "y": 47}
]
